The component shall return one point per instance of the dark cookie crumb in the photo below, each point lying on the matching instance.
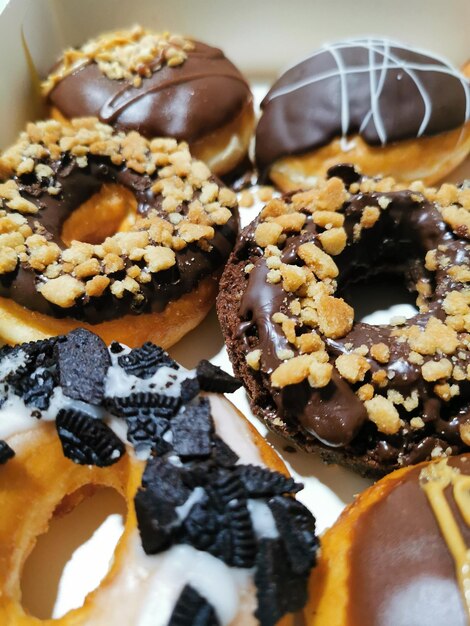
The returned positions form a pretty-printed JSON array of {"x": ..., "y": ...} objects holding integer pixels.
[
  {"x": 6, "y": 453},
  {"x": 143, "y": 405},
  {"x": 212, "y": 378},
  {"x": 145, "y": 361},
  {"x": 192, "y": 430},
  {"x": 86, "y": 440},
  {"x": 193, "y": 610}
]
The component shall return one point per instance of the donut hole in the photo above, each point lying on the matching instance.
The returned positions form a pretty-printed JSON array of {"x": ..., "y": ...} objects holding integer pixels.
[
  {"x": 380, "y": 298},
  {"x": 72, "y": 557},
  {"x": 113, "y": 209}
]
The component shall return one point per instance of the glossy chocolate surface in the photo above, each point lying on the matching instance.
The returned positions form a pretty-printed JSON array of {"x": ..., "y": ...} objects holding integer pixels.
[
  {"x": 383, "y": 91},
  {"x": 186, "y": 102},
  {"x": 334, "y": 415},
  {"x": 80, "y": 184},
  {"x": 402, "y": 572}
]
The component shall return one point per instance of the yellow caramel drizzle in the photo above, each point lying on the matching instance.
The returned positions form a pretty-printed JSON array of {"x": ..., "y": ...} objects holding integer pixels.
[{"x": 433, "y": 480}]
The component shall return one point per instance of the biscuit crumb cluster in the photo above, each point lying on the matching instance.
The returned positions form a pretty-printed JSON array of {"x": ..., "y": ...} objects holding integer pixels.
[
  {"x": 124, "y": 55},
  {"x": 313, "y": 313},
  {"x": 192, "y": 207}
]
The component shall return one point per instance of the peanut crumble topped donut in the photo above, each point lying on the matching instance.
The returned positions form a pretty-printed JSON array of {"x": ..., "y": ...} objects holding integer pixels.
[
  {"x": 371, "y": 397},
  {"x": 213, "y": 535},
  {"x": 126, "y": 234},
  {"x": 161, "y": 85},
  {"x": 388, "y": 108}
]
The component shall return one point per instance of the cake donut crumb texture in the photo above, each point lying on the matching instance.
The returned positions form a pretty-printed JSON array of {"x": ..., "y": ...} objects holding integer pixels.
[
  {"x": 373, "y": 397},
  {"x": 205, "y": 511}
]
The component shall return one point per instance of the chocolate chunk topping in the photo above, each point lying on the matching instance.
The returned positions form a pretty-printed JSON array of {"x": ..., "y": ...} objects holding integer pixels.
[
  {"x": 192, "y": 429},
  {"x": 6, "y": 453},
  {"x": 145, "y": 361},
  {"x": 213, "y": 378},
  {"x": 86, "y": 440},
  {"x": 297, "y": 529},
  {"x": 83, "y": 361},
  {"x": 193, "y": 610}
]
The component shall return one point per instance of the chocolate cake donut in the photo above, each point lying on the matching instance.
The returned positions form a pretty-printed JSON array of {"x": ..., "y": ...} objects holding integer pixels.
[
  {"x": 388, "y": 108},
  {"x": 399, "y": 555},
  {"x": 108, "y": 229},
  {"x": 213, "y": 534},
  {"x": 161, "y": 85},
  {"x": 371, "y": 397}
]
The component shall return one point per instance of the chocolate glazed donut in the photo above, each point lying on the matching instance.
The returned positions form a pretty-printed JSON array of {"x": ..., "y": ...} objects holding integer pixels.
[
  {"x": 171, "y": 247},
  {"x": 370, "y": 397}
]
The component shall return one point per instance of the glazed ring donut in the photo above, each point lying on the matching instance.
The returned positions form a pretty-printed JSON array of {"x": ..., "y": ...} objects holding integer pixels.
[
  {"x": 213, "y": 534},
  {"x": 161, "y": 85},
  {"x": 108, "y": 230},
  {"x": 398, "y": 554},
  {"x": 388, "y": 109},
  {"x": 371, "y": 397}
]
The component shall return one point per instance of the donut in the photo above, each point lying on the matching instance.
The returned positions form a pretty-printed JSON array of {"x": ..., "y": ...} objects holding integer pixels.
[
  {"x": 390, "y": 109},
  {"x": 108, "y": 230},
  {"x": 213, "y": 535},
  {"x": 373, "y": 398},
  {"x": 399, "y": 554},
  {"x": 161, "y": 85}
]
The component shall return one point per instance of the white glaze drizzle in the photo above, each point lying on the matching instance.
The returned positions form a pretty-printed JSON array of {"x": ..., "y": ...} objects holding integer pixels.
[{"x": 390, "y": 61}]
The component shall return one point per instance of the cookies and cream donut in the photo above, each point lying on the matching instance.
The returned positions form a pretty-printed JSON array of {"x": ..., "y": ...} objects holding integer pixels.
[
  {"x": 388, "y": 108},
  {"x": 110, "y": 230},
  {"x": 213, "y": 534},
  {"x": 371, "y": 397},
  {"x": 161, "y": 85},
  {"x": 399, "y": 554}
]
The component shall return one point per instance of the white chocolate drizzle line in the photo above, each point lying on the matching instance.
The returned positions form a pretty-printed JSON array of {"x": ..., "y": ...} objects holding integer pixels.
[
  {"x": 433, "y": 480},
  {"x": 390, "y": 61}
]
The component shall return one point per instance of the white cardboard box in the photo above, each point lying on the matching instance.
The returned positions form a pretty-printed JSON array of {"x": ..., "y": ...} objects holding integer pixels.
[{"x": 262, "y": 37}]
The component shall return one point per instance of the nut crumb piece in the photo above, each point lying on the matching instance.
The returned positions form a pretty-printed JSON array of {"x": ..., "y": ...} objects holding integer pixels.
[
  {"x": 352, "y": 367},
  {"x": 62, "y": 291},
  {"x": 253, "y": 359},
  {"x": 384, "y": 415},
  {"x": 380, "y": 352}
]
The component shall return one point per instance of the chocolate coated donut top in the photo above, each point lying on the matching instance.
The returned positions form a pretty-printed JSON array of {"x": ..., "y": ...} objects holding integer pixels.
[
  {"x": 398, "y": 360},
  {"x": 402, "y": 570},
  {"x": 383, "y": 91},
  {"x": 187, "y": 101},
  {"x": 178, "y": 249}
]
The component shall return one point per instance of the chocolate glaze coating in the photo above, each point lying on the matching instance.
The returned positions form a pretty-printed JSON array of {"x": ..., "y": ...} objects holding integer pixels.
[
  {"x": 401, "y": 569},
  {"x": 383, "y": 91},
  {"x": 186, "y": 102},
  {"x": 332, "y": 419},
  {"x": 80, "y": 184}
]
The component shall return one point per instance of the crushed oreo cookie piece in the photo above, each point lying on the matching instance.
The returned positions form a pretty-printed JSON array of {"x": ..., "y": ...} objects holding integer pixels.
[
  {"x": 83, "y": 360},
  {"x": 193, "y": 610},
  {"x": 262, "y": 482},
  {"x": 220, "y": 523},
  {"x": 189, "y": 389},
  {"x": 192, "y": 429},
  {"x": 40, "y": 390},
  {"x": 6, "y": 453},
  {"x": 279, "y": 589},
  {"x": 223, "y": 454},
  {"x": 146, "y": 430},
  {"x": 86, "y": 440},
  {"x": 116, "y": 347},
  {"x": 144, "y": 404},
  {"x": 145, "y": 361},
  {"x": 296, "y": 527},
  {"x": 155, "y": 504},
  {"x": 212, "y": 378}
]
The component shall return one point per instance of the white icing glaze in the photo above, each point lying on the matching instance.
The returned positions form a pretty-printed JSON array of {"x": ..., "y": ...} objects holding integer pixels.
[{"x": 262, "y": 519}]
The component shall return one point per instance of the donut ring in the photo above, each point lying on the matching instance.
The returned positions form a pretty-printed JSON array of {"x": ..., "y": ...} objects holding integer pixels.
[
  {"x": 161, "y": 85},
  {"x": 373, "y": 563},
  {"x": 386, "y": 108},
  {"x": 371, "y": 397},
  {"x": 110, "y": 231},
  {"x": 40, "y": 480}
]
